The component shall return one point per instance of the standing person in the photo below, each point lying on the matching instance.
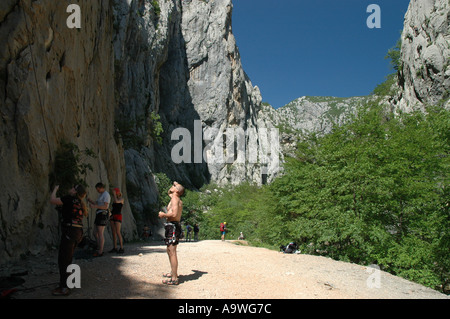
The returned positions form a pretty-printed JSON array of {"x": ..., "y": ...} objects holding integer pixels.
[
  {"x": 146, "y": 232},
  {"x": 73, "y": 211},
  {"x": 173, "y": 230},
  {"x": 188, "y": 232},
  {"x": 223, "y": 230},
  {"x": 116, "y": 221},
  {"x": 101, "y": 217},
  {"x": 196, "y": 230}
]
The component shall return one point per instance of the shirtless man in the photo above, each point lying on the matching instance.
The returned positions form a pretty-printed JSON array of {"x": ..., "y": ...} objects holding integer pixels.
[{"x": 173, "y": 230}]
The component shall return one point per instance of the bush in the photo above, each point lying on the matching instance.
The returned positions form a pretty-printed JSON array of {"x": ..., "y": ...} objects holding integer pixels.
[
  {"x": 70, "y": 166},
  {"x": 374, "y": 191}
]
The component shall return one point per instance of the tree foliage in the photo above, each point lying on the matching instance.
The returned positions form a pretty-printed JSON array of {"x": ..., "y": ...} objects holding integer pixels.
[
  {"x": 373, "y": 191},
  {"x": 388, "y": 87},
  {"x": 71, "y": 166}
]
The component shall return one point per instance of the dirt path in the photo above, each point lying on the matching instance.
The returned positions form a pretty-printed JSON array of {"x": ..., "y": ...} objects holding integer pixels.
[{"x": 215, "y": 270}]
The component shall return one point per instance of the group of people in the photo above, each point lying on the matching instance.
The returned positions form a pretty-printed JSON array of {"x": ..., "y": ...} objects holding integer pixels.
[
  {"x": 189, "y": 230},
  {"x": 103, "y": 215},
  {"x": 73, "y": 209}
]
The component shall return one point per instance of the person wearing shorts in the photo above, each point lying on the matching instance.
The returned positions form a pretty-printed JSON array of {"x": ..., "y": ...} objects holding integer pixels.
[
  {"x": 116, "y": 221},
  {"x": 173, "y": 231},
  {"x": 223, "y": 230},
  {"x": 101, "y": 217}
]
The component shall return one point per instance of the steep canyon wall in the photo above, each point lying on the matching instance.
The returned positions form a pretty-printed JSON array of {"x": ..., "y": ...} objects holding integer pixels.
[
  {"x": 56, "y": 84},
  {"x": 134, "y": 66}
]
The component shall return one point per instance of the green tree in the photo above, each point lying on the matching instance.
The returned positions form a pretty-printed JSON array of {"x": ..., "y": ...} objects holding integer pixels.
[
  {"x": 71, "y": 166},
  {"x": 163, "y": 183},
  {"x": 374, "y": 191},
  {"x": 394, "y": 55},
  {"x": 388, "y": 86}
]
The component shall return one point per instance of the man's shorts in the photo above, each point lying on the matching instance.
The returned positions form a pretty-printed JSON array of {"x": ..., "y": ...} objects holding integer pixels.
[
  {"x": 172, "y": 234},
  {"x": 101, "y": 219}
]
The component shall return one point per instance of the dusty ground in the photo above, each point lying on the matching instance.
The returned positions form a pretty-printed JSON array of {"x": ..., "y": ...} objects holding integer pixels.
[{"x": 213, "y": 270}]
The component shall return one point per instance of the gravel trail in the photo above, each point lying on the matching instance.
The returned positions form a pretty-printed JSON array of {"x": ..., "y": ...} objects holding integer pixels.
[{"x": 214, "y": 270}]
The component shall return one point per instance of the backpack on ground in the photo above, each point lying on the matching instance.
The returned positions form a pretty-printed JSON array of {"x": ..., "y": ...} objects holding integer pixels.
[{"x": 290, "y": 248}]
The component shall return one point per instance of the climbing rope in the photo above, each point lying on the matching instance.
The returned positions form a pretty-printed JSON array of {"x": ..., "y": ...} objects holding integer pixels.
[{"x": 30, "y": 37}]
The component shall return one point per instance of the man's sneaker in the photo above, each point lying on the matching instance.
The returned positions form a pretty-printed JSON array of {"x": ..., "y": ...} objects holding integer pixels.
[
  {"x": 61, "y": 291},
  {"x": 120, "y": 251}
]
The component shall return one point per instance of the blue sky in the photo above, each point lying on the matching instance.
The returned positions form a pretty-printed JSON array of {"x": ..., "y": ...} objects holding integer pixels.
[{"x": 293, "y": 48}]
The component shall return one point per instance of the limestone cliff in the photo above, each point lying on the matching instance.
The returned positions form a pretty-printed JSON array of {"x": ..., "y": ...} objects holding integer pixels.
[
  {"x": 424, "y": 77},
  {"x": 56, "y": 84},
  {"x": 134, "y": 67},
  {"x": 179, "y": 60}
]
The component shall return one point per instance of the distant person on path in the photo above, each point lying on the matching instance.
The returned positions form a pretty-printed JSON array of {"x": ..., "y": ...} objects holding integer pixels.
[
  {"x": 101, "y": 217},
  {"x": 146, "y": 232},
  {"x": 223, "y": 230},
  {"x": 116, "y": 221},
  {"x": 196, "y": 230},
  {"x": 173, "y": 230},
  {"x": 73, "y": 210},
  {"x": 188, "y": 232},
  {"x": 241, "y": 236}
]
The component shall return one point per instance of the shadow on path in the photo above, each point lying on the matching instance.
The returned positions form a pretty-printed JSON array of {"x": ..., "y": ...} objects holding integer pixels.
[{"x": 194, "y": 276}]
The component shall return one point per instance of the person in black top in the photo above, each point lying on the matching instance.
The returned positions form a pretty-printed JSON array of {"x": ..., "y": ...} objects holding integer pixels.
[
  {"x": 116, "y": 221},
  {"x": 73, "y": 210},
  {"x": 196, "y": 230}
]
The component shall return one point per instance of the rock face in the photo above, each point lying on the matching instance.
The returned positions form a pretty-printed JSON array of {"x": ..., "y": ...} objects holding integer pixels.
[
  {"x": 310, "y": 114},
  {"x": 222, "y": 94},
  {"x": 425, "y": 74},
  {"x": 318, "y": 114},
  {"x": 133, "y": 68},
  {"x": 179, "y": 59},
  {"x": 56, "y": 84}
]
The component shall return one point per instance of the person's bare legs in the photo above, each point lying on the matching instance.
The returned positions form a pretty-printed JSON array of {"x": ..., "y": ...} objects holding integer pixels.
[
  {"x": 118, "y": 234},
  {"x": 113, "y": 228},
  {"x": 100, "y": 238},
  {"x": 173, "y": 259},
  {"x": 96, "y": 234}
]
